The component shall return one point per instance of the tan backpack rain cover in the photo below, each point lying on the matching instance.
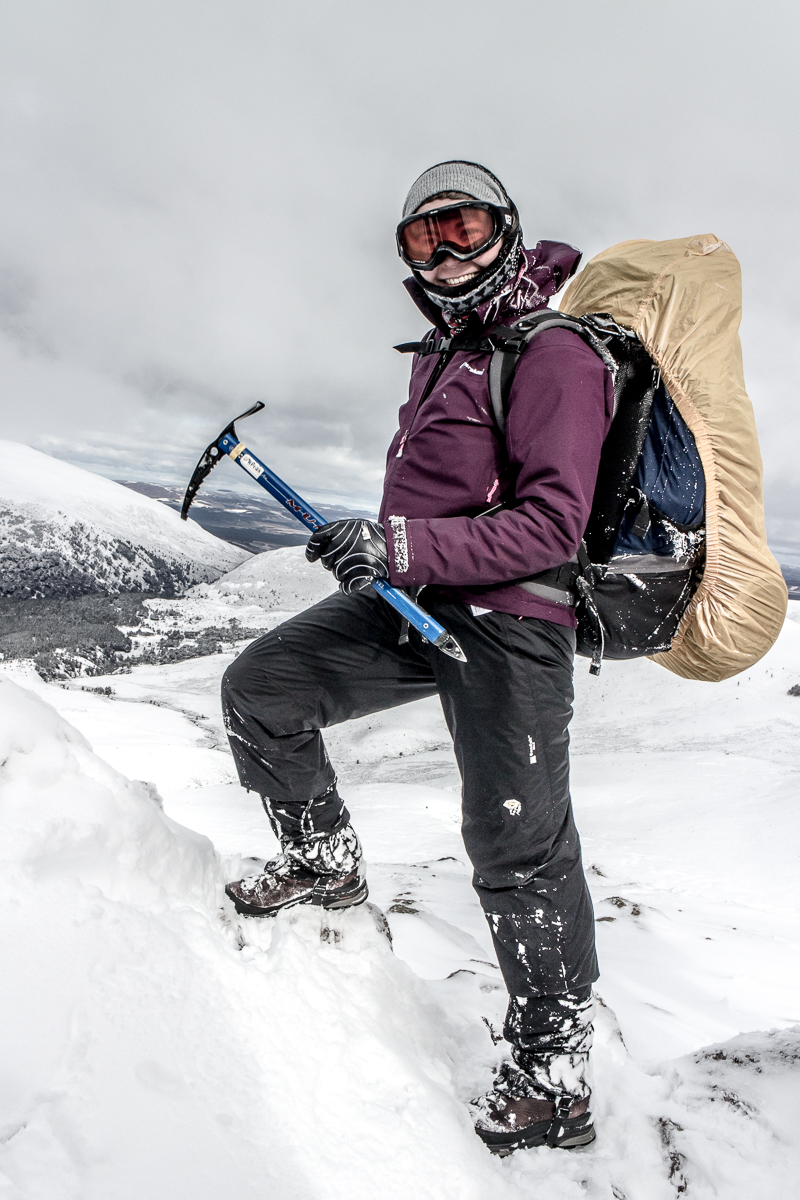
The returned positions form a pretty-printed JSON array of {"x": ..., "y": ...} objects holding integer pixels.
[{"x": 683, "y": 299}]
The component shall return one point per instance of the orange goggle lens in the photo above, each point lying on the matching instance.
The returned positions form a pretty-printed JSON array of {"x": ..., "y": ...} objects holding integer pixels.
[{"x": 465, "y": 230}]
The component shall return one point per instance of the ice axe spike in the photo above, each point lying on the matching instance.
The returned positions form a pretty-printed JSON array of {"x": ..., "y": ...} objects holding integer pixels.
[{"x": 228, "y": 443}]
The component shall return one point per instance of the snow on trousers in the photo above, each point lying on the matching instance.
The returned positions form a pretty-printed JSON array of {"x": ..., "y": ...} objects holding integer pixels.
[{"x": 507, "y": 709}]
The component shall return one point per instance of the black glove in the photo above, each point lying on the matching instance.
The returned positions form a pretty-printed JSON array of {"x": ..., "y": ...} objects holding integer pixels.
[{"x": 354, "y": 550}]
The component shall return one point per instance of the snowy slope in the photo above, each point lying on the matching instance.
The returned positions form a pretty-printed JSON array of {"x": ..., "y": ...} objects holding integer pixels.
[
  {"x": 279, "y": 581},
  {"x": 65, "y": 531},
  {"x": 154, "y": 1049},
  {"x": 157, "y": 1045}
]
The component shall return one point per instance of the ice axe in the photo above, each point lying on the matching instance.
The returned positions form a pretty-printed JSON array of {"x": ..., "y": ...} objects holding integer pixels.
[{"x": 228, "y": 443}]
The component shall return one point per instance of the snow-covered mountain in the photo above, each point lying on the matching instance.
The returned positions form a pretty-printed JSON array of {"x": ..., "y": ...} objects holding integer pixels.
[
  {"x": 67, "y": 532},
  {"x": 156, "y": 1045}
]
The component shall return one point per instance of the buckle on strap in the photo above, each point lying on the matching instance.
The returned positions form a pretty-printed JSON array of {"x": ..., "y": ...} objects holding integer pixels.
[
  {"x": 444, "y": 345},
  {"x": 508, "y": 338},
  {"x": 560, "y": 1116},
  {"x": 642, "y": 517}
]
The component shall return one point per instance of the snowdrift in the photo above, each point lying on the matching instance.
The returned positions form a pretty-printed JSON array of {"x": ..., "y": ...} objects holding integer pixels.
[
  {"x": 153, "y": 1047},
  {"x": 65, "y": 531}
]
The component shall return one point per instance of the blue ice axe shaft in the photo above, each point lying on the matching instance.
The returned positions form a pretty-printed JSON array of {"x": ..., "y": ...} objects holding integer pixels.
[{"x": 228, "y": 443}]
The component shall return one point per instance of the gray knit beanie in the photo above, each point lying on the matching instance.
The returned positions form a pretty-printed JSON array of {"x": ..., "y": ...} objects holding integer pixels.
[{"x": 456, "y": 176}]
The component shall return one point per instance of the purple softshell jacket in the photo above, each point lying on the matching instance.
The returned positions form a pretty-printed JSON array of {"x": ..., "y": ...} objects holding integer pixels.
[{"x": 448, "y": 461}]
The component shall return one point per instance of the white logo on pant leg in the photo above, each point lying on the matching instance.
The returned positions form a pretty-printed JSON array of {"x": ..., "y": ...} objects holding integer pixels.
[
  {"x": 513, "y": 806},
  {"x": 531, "y": 749}
]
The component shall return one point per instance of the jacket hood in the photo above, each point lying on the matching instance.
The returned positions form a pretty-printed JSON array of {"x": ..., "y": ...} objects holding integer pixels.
[{"x": 542, "y": 272}]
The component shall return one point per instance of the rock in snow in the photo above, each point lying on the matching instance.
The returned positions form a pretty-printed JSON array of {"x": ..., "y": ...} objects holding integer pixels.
[
  {"x": 67, "y": 532},
  {"x": 155, "y": 1045}
]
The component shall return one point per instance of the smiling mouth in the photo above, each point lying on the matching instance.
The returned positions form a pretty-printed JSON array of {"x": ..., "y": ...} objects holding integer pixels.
[{"x": 458, "y": 280}]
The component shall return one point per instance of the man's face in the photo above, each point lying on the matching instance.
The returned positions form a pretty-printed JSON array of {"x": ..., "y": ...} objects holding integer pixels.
[{"x": 450, "y": 272}]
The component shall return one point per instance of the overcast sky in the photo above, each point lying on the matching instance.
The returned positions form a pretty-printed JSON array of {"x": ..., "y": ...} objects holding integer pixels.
[{"x": 198, "y": 201}]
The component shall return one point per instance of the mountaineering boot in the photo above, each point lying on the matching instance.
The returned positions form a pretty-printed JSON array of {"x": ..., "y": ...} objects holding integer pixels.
[
  {"x": 322, "y": 869},
  {"x": 515, "y": 1115},
  {"x": 542, "y": 1099}
]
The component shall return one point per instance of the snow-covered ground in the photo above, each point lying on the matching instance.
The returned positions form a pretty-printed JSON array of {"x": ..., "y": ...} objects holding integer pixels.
[
  {"x": 66, "y": 531},
  {"x": 156, "y": 1046}
]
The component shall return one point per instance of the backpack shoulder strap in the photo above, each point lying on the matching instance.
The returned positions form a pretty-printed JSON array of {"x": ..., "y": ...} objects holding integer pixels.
[{"x": 512, "y": 340}]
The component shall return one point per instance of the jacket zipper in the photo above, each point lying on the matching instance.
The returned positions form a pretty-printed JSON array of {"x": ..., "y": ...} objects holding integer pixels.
[{"x": 444, "y": 358}]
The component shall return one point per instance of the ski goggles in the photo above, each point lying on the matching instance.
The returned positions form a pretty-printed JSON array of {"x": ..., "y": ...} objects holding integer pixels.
[{"x": 464, "y": 230}]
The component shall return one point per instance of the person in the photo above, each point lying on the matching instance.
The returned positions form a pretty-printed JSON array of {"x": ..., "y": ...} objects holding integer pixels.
[{"x": 508, "y": 707}]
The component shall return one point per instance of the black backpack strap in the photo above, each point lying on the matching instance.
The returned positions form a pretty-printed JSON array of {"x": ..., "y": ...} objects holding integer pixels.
[
  {"x": 435, "y": 343},
  {"x": 432, "y": 343},
  {"x": 502, "y": 366},
  {"x": 511, "y": 341}
]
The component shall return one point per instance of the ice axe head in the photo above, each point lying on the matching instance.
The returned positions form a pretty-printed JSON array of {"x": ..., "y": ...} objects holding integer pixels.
[{"x": 210, "y": 457}]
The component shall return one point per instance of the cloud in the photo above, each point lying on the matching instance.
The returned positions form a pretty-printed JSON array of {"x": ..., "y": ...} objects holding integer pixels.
[{"x": 198, "y": 202}]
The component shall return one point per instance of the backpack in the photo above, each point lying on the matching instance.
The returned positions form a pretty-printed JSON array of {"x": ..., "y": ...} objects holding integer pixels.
[
  {"x": 639, "y": 562},
  {"x": 682, "y": 299},
  {"x": 674, "y": 563}
]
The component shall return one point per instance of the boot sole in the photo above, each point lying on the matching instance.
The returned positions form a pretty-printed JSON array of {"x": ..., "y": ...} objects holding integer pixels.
[
  {"x": 503, "y": 1144},
  {"x": 350, "y": 902},
  {"x": 320, "y": 901}
]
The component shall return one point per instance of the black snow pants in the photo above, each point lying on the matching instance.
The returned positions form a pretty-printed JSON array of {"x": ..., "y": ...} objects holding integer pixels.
[{"x": 507, "y": 708}]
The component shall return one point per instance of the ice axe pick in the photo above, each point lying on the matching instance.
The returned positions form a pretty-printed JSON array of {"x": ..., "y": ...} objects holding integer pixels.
[{"x": 228, "y": 443}]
